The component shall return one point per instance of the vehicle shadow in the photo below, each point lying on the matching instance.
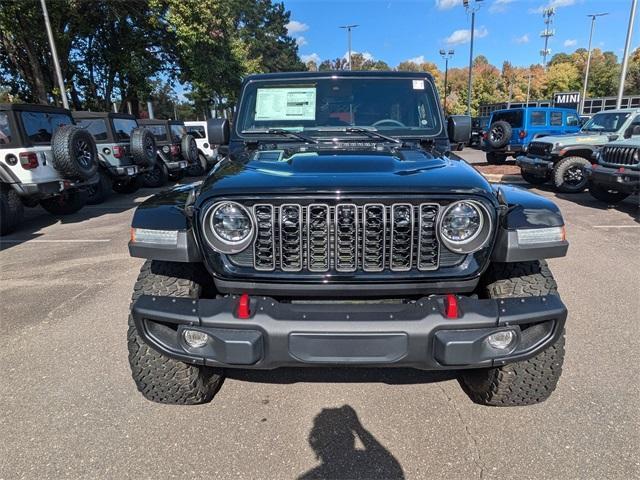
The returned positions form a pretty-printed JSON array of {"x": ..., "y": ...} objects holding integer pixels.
[{"x": 333, "y": 440}]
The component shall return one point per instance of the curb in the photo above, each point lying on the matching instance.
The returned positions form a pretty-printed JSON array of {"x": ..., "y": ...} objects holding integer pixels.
[{"x": 504, "y": 178}]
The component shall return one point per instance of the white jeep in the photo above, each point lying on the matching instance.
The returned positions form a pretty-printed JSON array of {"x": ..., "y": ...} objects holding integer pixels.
[
  {"x": 44, "y": 159},
  {"x": 207, "y": 151}
]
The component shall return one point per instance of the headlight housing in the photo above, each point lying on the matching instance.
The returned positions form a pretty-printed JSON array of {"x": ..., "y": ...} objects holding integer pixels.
[
  {"x": 228, "y": 227},
  {"x": 465, "y": 226}
]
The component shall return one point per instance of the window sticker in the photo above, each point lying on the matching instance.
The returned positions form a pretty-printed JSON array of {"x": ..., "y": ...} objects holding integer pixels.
[
  {"x": 418, "y": 84},
  {"x": 286, "y": 104}
]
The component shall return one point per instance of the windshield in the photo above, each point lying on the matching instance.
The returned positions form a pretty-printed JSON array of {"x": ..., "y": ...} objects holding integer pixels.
[
  {"x": 512, "y": 117},
  {"x": 158, "y": 131},
  {"x": 39, "y": 126},
  {"x": 606, "y": 122},
  {"x": 123, "y": 128},
  {"x": 396, "y": 106}
]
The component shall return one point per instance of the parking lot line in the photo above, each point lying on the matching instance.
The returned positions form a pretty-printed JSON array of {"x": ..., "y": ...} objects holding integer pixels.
[
  {"x": 62, "y": 240},
  {"x": 616, "y": 226}
]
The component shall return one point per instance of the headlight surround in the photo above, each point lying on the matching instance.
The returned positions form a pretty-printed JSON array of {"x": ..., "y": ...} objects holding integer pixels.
[
  {"x": 465, "y": 226},
  {"x": 228, "y": 227}
]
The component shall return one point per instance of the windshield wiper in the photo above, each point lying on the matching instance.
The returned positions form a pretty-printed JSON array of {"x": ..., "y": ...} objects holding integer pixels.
[
  {"x": 282, "y": 132},
  {"x": 372, "y": 134}
]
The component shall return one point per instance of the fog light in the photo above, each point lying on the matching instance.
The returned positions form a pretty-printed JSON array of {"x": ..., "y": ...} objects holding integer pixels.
[
  {"x": 501, "y": 340},
  {"x": 194, "y": 338}
]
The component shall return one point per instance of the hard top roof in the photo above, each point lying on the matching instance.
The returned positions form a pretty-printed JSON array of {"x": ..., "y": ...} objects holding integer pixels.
[
  {"x": 159, "y": 121},
  {"x": 32, "y": 107},
  {"x": 337, "y": 73},
  {"x": 86, "y": 114}
]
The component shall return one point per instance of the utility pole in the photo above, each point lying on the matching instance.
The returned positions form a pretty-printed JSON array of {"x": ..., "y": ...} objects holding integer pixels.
[
  {"x": 54, "y": 55},
  {"x": 627, "y": 46},
  {"x": 528, "y": 88},
  {"x": 348, "y": 28},
  {"x": 472, "y": 6},
  {"x": 446, "y": 54},
  {"x": 547, "y": 33},
  {"x": 586, "y": 72}
]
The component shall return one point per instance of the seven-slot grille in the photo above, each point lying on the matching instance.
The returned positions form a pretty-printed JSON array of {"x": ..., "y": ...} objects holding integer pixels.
[
  {"x": 345, "y": 237},
  {"x": 622, "y": 156},
  {"x": 541, "y": 149}
]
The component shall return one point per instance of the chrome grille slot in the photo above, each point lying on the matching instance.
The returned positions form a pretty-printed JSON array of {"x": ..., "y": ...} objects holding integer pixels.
[
  {"x": 318, "y": 234},
  {"x": 401, "y": 256},
  {"x": 264, "y": 255},
  {"x": 346, "y": 237},
  {"x": 428, "y": 245},
  {"x": 290, "y": 238},
  {"x": 373, "y": 237}
]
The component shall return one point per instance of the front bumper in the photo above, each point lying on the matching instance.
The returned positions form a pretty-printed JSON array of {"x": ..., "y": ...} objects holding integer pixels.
[
  {"x": 622, "y": 180},
  {"x": 535, "y": 165},
  {"x": 48, "y": 189},
  {"x": 418, "y": 335}
]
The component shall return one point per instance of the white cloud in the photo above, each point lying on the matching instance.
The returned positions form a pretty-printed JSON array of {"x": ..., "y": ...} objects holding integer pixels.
[
  {"x": 301, "y": 41},
  {"x": 553, "y": 4},
  {"x": 447, "y": 4},
  {"x": 296, "y": 27},
  {"x": 312, "y": 57},
  {"x": 420, "y": 59},
  {"x": 523, "y": 39},
  {"x": 365, "y": 55},
  {"x": 570, "y": 43},
  {"x": 464, "y": 36},
  {"x": 499, "y": 6}
]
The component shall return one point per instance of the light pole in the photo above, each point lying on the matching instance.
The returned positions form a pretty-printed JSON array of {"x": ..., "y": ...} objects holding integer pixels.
[
  {"x": 586, "y": 72},
  {"x": 446, "y": 54},
  {"x": 547, "y": 33},
  {"x": 348, "y": 28},
  {"x": 472, "y": 6},
  {"x": 54, "y": 54},
  {"x": 627, "y": 45}
]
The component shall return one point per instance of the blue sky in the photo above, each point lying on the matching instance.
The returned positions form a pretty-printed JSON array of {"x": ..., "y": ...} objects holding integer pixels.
[{"x": 397, "y": 30}]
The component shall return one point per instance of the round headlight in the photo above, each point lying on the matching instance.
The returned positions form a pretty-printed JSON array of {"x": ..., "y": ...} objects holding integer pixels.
[
  {"x": 228, "y": 227},
  {"x": 465, "y": 226}
]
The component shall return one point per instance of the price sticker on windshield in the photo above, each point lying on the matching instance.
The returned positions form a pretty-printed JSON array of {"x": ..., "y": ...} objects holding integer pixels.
[{"x": 418, "y": 84}]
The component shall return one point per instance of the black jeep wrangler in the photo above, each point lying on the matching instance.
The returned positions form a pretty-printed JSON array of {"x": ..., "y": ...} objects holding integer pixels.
[{"x": 341, "y": 231}]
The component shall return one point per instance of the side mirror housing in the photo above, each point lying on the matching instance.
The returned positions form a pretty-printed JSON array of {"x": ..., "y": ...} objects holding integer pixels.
[
  {"x": 611, "y": 138},
  {"x": 459, "y": 128},
  {"x": 218, "y": 131}
]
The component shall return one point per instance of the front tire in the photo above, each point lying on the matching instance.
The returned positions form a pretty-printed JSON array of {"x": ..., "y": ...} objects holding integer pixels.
[
  {"x": 160, "y": 378},
  {"x": 568, "y": 175},
  {"x": 529, "y": 381},
  {"x": 11, "y": 210},
  {"x": 156, "y": 177},
  {"x": 99, "y": 191},
  {"x": 607, "y": 195}
]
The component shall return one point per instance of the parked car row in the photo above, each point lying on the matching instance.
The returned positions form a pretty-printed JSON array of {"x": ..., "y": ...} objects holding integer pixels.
[
  {"x": 550, "y": 146},
  {"x": 63, "y": 160}
]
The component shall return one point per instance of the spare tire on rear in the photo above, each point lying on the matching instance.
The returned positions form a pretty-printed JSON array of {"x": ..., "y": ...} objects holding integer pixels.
[
  {"x": 74, "y": 152},
  {"x": 189, "y": 148},
  {"x": 143, "y": 147},
  {"x": 499, "y": 134}
]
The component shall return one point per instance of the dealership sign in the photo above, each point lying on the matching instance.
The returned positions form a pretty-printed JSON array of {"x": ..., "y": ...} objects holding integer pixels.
[{"x": 566, "y": 99}]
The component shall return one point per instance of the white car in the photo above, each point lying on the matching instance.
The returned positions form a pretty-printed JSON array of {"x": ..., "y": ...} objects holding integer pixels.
[{"x": 199, "y": 131}]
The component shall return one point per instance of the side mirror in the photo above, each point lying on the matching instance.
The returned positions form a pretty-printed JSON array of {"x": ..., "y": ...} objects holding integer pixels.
[
  {"x": 218, "y": 131},
  {"x": 459, "y": 128},
  {"x": 611, "y": 138}
]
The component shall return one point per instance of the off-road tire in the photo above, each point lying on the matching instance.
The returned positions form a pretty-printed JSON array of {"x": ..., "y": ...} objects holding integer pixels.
[
  {"x": 160, "y": 378},
  {"x": 607, "y": 195},
  {"x": 199, "y": 168},
  {"x": 126, "y": 186},
  {"x": 156, "y": 177},
  {"x": 496, "y": 158},
  {"x": 100, "y": 191},
  {"x": 560, "y": 170},
  {"x": 504, "y": 130},
  {"x": 532, "y": 178},
  {"x": 74, "y": 152},
  {"x": 143, "y": 147},
  {"x": 11, "y": 210},
  {"x": 66, "y": 203},
  {"x": 189, "y": 148},
  {"x": 529, "y": 381}
]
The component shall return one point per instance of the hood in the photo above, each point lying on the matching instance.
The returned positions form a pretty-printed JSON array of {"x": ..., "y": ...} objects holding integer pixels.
[
  {"x": 580, "y": 138},
  {"x": 338, "y": 172}
]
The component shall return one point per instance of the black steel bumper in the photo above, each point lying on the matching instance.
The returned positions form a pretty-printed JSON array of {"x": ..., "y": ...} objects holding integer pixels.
[
  {"x": 622, "y": 180},
  {"x": 538, "y": 166},
  {"x": 48, "y": 189},
  {"x": 418, "y": 335}
]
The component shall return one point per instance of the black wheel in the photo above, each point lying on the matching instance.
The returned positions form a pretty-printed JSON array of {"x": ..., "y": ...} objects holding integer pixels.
[
  {"x": 494, "y": 158},
  {"x": 66, "y": 203},
  {"x": 532, "y": 178},
  {"x": 143, "y": 147},
  {"x": 100, "y": 191},
  {"x": 159, "y": 378},
  {"x": 199, "y": 168},
  {"x": 189, "y": 148},
  {"x": 530, "y": 381},
  {"x": 126, "y": 186},
  {"x": 499, "y": 134},
  {"x": 605, "y": 194},
  {"x": 11, "y": 210},
  {"x": 156, "y": 176},
  {"x": 568, "y": 175},
  {"x": 74, "y": 152}
]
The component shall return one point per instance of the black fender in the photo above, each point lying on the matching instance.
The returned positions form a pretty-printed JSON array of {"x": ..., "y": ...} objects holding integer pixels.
[
  {"x": 524, "y": 210},
  {"x": 584, "y": 151},
  {"x": 169, "y": 211}
]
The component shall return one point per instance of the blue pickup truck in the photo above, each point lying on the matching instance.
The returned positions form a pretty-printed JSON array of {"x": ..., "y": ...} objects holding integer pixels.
[{"x": 511, "y": 130}]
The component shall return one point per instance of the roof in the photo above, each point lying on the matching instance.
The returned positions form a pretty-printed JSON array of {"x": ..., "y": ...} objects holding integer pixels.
[
  {"x": 85, "y": 114},
  {"x": 32, "y": 107},
  {"x": 159, "y": 121},
  {"x": 338, "y": 73}
]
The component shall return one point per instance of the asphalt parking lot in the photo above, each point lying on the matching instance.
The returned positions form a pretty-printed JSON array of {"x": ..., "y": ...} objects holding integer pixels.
[{"x": 70, "y": 409}]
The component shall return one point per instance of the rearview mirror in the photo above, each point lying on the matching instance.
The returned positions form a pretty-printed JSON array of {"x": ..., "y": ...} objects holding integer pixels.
[
  {"x": 459, "y": 128},
  {"x": 218, "y": 131}
]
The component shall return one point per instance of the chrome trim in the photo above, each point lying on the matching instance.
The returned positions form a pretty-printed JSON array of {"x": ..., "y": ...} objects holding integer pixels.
[
  {"x": 456, "y": 247},
  {"x": 391, "y": 267},
  {"x": 300, "y": 222},
  {"x": 436, "y": 223},
  {"x": 337, "y": 254},
  {"x": 273, "y": 236},
  {"x": 383, "y": 207},
  {"x": 328, "y": 257}
]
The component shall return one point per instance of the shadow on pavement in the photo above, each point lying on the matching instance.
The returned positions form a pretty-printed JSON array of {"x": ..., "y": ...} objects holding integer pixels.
[{"x": 333, "y": 440}]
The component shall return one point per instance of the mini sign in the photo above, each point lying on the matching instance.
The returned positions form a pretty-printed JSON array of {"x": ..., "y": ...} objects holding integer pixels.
[{"x": 566, "y": 99}]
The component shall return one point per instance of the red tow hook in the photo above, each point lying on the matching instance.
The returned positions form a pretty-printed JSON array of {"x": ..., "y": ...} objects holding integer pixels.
[
  {"x": 244, "y": 311},
  {"x": 451, "y": 306}
]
